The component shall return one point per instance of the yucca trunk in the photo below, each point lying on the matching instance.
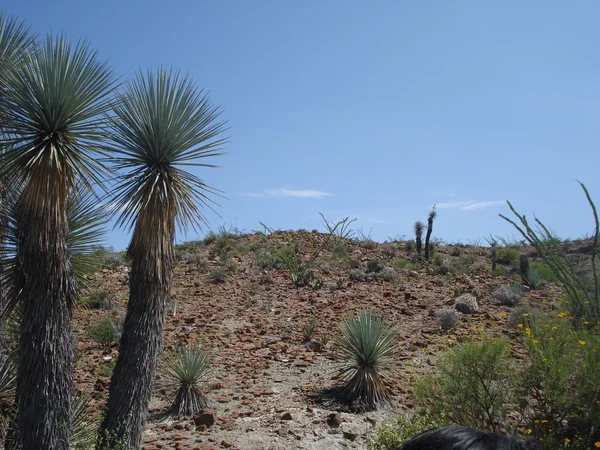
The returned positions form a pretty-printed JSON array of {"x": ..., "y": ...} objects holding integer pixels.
[
  {"x": 45, "y": 372},
  {"x": 428, "y": 235},
  {"x": 419, "y": 244},
  {"x": 153, "y": 260}
]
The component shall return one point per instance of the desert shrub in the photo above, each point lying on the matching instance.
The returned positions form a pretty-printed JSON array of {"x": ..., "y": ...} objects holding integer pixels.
[
  {"x": 341, "y": 251},
  {"x": 470, "y": 385},
  {"x": 467, "y": 304},
  {"x": 264, "y": 259},
  {"x": 560, "y": 387},
  {"x": 357, "y": 275},
  {"x": 507, "y": 256},
  {"x": 209, "y": 238},
  {"x": 392, "y": 435},
  {"x": 544, "y": 271},
  {"x": 389, "y": 250},
  {"x": 101, "y": 299},
  {"x": 410, "y": 246},
  {"x": 308, "y": 330},
  {"x": 368, "y": 244},
  {"x": 523, "y": 316},
  {"x": 455, "y": 251},
  {"x": 509, "y": 295},
  {"x": 104, "y": 333},
  {"x": 403, "y": 264},
  {"x": 437, "y": 259},
  {"x": 374, "y": 266},
  {"x": 184, "y": 371},
  {"x": 368, "y": 345},
  {"x": 218, "y": 276},
  {"x": 386, "y": 274},
  {"x": 446, "y": 318}
]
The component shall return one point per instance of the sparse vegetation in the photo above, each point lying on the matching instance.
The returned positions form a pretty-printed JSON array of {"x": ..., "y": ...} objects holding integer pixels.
[{"x": 368, "y": 345}]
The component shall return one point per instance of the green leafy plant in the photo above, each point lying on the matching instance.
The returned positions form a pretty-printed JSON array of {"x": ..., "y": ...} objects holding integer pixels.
[
  {"x": 560, "y": 386},
  {"x": 184, "y": 371},
  {"x": 470, "y": 386},
  {"x": 218, "y": 276},
  {"x": 104, "y": 333},
  {"x": 368, "y": 344},
  {"x": 507, "y": 256},
  {"x": 392, "y": 435}
]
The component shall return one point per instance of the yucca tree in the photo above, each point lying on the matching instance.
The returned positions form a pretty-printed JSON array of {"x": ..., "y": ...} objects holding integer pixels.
[
  {"x": 430, "y": 219},
  {"x": 162, "y": 124},
  {"x": 369, "y": 345},
  {"x": 55, "y": 125},
  {"x": 419, "y": 236}
]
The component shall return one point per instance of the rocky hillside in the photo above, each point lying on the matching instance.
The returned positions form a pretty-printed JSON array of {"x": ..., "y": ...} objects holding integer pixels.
[{"x": 233, "y": 296}]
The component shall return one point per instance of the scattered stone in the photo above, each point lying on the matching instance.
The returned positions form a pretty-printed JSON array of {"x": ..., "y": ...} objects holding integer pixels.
[
  {"x": 286, "y": 416},
  {"x": 205, "y": 417},
  {"x": 334, "y": 420}
]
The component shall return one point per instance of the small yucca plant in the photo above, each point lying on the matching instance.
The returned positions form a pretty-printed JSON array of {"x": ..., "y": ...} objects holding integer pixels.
[
  {"x": 184, "y": 372},
  {"x": 369, "y": 344}
]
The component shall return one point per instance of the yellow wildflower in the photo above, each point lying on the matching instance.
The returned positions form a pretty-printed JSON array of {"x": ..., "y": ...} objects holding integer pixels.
[
  {"x": 581, "y": 342},
  {"x": 527, "y": 331},
  {"x": 526, "y": 315},
  {"x": 528, "y": 431},
  {"x": 554, "y": 328},
  {"x": 536, "y": 342},
  {"x": 567, "y": 440},
  {"x": 597, "y": 444},
  {"x": 520, "y": 325}
]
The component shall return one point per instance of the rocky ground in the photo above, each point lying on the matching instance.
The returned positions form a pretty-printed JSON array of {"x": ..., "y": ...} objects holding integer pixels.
[{"x": 264, "y": 377}]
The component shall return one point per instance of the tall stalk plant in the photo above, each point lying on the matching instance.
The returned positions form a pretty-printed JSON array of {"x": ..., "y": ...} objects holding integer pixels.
[
  {"x": 54, "y": 129},
  {"x": 584, "y": 296},
  {"x": 162, "y": 124}
]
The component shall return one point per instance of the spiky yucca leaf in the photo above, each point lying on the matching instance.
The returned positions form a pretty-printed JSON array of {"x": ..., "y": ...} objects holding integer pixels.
[
  {"x": 161, "y": 125},
  {"x": 55, "y": 114},
  {"x": 83, "y": 427},
  {"x": 185, "y": 370},
  {"x": 369, "y": 345},
  {"x": 8, "y": 378}
]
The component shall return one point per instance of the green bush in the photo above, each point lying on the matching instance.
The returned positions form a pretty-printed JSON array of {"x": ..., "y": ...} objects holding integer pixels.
[
  {"x": 104, "y": 333},
  {"x": 544, "y": 271},
  {"x": 374, "y": 266},
  {"x": 560, "y": 387},
  {"x": 508, "y": 256},
  {"x": 470, "y": 385},
  {"x": 101, "y": 299},
  {"x": 218, "y": 276},
  {"x": 403, "y": 264},
  {"x": 392, "y": 435}
]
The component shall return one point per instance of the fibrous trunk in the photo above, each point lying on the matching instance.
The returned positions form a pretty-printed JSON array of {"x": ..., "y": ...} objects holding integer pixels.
[
  {"x": 45, "y": 372},
  {"x": 428, "y": 237},
  {"x": 140, "y": 344}
]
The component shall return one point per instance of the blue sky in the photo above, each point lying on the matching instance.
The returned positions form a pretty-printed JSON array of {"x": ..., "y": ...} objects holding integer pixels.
[{"x": 375, "y": 110}]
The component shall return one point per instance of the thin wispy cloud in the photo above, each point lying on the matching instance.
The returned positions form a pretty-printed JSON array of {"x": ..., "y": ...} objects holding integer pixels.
[
  {"x": 479, "y": 205},
  {"x": 469, "y": 205},
  {"x": 446, "y": 205},
  {"x": 293, "y": 193}
]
